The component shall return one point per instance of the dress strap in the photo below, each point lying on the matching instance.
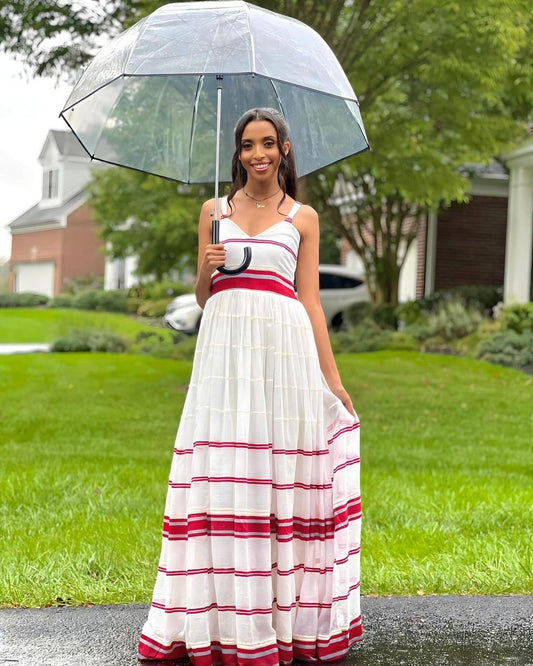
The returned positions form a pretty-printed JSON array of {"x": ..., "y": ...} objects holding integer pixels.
[
  {"x": 296, "y": 207},
  {"x": 224, "y": 206}
]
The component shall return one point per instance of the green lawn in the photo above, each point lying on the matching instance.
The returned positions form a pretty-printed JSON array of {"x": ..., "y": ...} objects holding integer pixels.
[
  {"x": 86, "y": 442},
  {"x": 42, "y": 325}
]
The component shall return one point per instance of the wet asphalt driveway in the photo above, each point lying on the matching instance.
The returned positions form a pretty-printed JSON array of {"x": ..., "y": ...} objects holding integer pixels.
[{"x": 415, "y": 631}]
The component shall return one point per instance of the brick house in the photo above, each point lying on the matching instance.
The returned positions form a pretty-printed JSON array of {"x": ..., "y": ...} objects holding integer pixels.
[
  {"x": 487, "y": 241},
  {"x": 55, "y": 241}
]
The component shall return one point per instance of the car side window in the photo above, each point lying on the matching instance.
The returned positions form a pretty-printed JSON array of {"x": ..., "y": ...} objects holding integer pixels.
[{"x": 331, "y": 281}]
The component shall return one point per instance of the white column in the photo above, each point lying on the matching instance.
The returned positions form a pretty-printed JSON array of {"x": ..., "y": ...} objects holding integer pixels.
[
  {"x": 517, "y": 280},
  {"x": 431, "y": 254}
]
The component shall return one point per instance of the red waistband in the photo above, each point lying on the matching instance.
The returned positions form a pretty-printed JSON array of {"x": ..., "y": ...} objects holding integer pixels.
[{"x": 255, "y": 280}]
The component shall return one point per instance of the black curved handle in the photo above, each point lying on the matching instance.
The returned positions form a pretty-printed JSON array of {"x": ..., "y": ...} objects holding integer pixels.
[
  {"x": 247, "y": 253},
  {"x": 235, "y": 271}
]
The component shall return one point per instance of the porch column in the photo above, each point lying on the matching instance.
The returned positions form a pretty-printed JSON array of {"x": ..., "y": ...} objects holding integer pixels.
[{"x": 518, "y": 249}]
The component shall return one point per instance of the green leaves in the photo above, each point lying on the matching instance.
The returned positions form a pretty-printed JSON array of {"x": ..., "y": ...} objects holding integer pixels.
[{"x": 148, "y": 216}]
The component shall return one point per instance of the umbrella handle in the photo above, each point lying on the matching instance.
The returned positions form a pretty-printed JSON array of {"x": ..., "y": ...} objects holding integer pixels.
[{"x": 247, "y": 253}]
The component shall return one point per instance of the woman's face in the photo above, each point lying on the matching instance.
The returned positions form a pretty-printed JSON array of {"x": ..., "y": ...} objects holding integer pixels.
[{"x": 259, "y": 152}]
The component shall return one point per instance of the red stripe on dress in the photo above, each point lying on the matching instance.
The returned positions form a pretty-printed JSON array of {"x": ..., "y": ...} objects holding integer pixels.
[
  {"x": 284, "y": 652},
  {"x": 261, "y": 447},
  {"x": 255, "y": 284},
  {"x": 340, "y": 432},
  {"x": 246, "y": 241},
  {"x": 232, "y": 445},
  {"x": 238, "y": 526}
]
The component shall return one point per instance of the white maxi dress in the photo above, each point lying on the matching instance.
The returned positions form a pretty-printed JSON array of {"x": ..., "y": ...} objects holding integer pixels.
[{"x": 261, "y": 538}]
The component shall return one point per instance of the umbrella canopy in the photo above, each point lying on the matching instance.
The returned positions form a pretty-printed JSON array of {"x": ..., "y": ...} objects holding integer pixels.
[{"x": 148, "y": 100}]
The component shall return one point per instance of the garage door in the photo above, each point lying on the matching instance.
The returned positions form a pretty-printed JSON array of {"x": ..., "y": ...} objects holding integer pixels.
[{"x": 36, "y": 277}]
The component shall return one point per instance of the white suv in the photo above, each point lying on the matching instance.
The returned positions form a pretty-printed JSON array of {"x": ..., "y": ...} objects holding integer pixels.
[{"x": 340, "y": 287}]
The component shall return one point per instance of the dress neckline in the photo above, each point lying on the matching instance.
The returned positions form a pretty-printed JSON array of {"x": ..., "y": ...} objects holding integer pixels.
[{"x": 264, "y": 230}]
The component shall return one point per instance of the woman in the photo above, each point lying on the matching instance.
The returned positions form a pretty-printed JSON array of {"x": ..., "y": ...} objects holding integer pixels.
[{"x": 260, "y": 555}]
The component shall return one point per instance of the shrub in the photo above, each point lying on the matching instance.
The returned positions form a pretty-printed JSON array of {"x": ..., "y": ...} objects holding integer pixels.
[
  {"x": 367, "y": 336},
  {"x": 87, "y": 299},
  {"x": 133, "y": 304},
  {"x": 114, "y": 300},
  {"x": 384, "y": 316},
  {"x": 402, "y": 341},
  {"x": 355, "y": 314},
  {"x": 22, "y": 300},
  {"x": 91, "y": 340},
  {"x": 478, "y": 296},
  {"x": 154, "y": 291},
  {"x": 153, "y": 308},
  {"x": 508, "y": 348},
  {"x": 62, "y": 301},
  {"x": 453, "y": 319},
  {"x": 409, "y": 312},
  {"x": 152, "y": 344},
  {"x": 517, "y": 317}
]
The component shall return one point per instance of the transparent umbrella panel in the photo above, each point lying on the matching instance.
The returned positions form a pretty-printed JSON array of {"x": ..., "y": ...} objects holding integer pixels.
[{"x": 165, "y": 124}]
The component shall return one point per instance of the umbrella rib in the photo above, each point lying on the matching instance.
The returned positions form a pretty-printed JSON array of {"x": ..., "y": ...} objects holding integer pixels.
[
  {"x": 272, "y": 83},
  {"x": 199, "y": 86},
  {"x": 252, "y": 41}
]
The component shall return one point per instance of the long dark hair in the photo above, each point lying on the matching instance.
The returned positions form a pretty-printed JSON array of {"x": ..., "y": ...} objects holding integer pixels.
[{"x": 287, "y": 178}]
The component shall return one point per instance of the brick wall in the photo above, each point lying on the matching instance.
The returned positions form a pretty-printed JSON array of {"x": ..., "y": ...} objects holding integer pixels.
[
  {"x": 82, "y": 249},
  {"x": 471, "y": 243}
]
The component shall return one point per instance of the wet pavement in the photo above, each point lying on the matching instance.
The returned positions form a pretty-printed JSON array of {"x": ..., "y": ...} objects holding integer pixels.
[
  {"x": 410, "y": 631},
  {"x": 23, "y": 348}
]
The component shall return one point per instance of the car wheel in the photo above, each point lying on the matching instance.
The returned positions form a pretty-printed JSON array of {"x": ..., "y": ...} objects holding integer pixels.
[{"x": 337, "y": 323}]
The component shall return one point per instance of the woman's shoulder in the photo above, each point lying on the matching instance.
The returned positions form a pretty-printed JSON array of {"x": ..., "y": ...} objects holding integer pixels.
[{"x": 307, "y": 214}]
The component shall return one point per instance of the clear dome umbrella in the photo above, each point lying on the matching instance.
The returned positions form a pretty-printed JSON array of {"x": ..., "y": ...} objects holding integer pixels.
[{"x": 151, "y": 100}]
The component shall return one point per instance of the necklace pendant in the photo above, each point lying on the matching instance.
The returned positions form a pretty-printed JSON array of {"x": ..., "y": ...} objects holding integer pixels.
[{"x": 259, "y": 204}]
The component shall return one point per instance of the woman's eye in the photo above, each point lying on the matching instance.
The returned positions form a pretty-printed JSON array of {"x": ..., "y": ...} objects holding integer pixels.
[{"x": 269, "y": 144}]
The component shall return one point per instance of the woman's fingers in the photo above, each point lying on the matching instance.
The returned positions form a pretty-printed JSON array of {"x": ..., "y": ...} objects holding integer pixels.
[{"x": 215, "y": 255}]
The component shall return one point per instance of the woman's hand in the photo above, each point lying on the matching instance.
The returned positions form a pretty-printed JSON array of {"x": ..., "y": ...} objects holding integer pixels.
[
  {"x": 343, "y": 396},
  {"x": 214, "y": 256}
]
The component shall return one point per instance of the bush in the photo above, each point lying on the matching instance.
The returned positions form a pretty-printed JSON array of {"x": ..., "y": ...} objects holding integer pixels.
[
  {"x": 87, "y": 299},
  {"x": 62, "y": 301},
  {"x": 90, "y": 340},
  {"x": 155, "y": 291},
  {"x": 115, "y": 300},
  {"x": 367, "y": 336},
  {"x": 22, "y": 300},
  {"x": 402, "y": 341},
  {"x": 384, "y": 316},
  {"x": 518, "y": 317},
  {"x": 409, "y": 312},
  {"x": 478, "y": 296},
  {"x": 452, "y": 320},
  {"x": 152, "y": 344},
  {"x": 133, "y": 304},
  {"x": 153, "y": 308},
  {"x": 508, "y": 348},
  {"x": 355, "y": 314}
]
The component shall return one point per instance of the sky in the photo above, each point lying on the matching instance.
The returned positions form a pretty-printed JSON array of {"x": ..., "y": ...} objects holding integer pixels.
[{"x": 28, "y": 109}]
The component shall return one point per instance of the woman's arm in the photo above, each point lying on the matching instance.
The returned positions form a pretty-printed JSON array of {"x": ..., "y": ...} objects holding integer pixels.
[
  {"x": 209, "y": 256},
  {"x": 308, "y": 294}
]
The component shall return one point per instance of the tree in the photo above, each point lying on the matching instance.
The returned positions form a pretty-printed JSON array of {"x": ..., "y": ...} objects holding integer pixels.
[
  {"x": 441, "y": 85},
  {"x": 144, "y": 215}
]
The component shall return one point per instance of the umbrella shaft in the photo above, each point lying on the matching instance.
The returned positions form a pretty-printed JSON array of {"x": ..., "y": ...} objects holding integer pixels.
[{"x": 217, "y": 158}]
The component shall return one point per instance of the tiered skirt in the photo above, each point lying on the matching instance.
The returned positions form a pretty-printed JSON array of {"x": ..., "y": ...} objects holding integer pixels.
[{"x": 261, "y": 538}]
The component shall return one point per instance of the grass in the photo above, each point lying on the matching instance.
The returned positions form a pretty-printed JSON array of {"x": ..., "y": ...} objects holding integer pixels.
[
  {"x": 86, "y": 445},
  {"x": 43, "y": 325}
]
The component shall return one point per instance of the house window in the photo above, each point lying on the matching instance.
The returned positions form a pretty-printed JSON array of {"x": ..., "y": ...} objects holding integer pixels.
[{"x": 50, "y": 184}]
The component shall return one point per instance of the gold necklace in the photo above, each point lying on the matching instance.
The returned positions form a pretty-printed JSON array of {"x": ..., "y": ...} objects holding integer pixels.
[{"x": 259, "y": 202}]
